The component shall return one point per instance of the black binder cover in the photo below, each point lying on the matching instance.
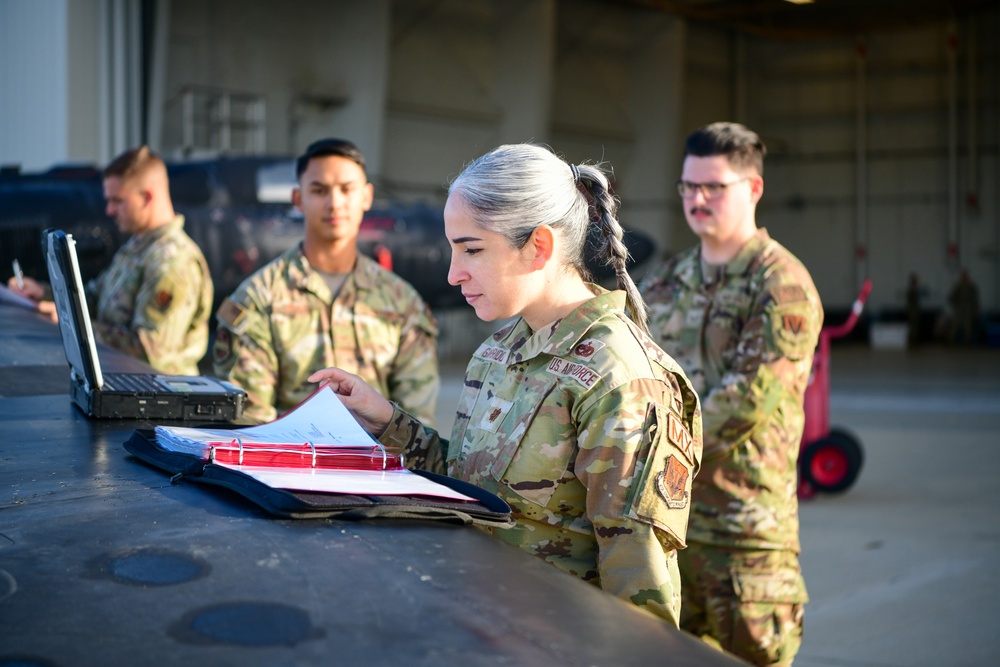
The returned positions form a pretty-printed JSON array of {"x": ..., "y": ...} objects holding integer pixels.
[{"x": 489, "y": 510}]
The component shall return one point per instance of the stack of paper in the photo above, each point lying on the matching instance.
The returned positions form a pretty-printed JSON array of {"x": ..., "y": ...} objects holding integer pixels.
[{"x": 318, "y": 429}]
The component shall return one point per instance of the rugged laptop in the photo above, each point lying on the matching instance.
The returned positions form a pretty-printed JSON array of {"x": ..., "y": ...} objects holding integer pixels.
[{"x": 123, "y": 395}]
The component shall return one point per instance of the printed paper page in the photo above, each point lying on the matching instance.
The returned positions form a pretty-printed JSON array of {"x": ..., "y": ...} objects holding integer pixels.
[
  {"x": 358, "y": 482},
  {"x": 321, "y": 420}
]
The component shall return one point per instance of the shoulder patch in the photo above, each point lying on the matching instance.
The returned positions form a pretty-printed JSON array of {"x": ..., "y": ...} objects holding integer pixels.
[
  {"x": 163, "y": 299},
  {"x": 788, "y": 294},
  {"x": 493, "y": 353},
  {"x": 793, "y": 324},
  {"x": 233, "y": 314},
  {"x": 222, "y": 348},
  {"x": 586, "y": 349},
  {"x": 679, "y": 436},
  {"x": 671, "y": 483},
  {"x": 585, "y": 376}
]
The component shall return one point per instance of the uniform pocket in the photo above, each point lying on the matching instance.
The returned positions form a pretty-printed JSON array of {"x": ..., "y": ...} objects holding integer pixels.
[
  {"x": 661, "y": 494},
  {"x": 782, "y": 586},
  {"x": 496, "y": 433},
  {"x": 472, "y": 391}
]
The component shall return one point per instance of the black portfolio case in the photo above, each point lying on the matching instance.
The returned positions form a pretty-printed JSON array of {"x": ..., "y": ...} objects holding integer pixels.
[{"x": 488, "y": 510}]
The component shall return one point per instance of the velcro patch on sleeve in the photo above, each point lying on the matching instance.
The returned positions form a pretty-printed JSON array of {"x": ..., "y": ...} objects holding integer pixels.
[
  {"x": 495, "y": 412},
  {"x": 233, "y": 314},
  {"x": 163, "y": 299},
  {"x": 680, "y": 436},
  {"x": 672, "y": 482},
  {"x": 661, "y": 491},
  {"x": 222, "y": 348},
  {"x": 793, "y": 324},
  {"x": 788, "y": 294}
]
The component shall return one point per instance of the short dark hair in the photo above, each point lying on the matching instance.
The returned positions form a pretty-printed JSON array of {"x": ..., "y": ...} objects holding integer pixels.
[
  {"x": 739, "y": 144},
  {"x": 330, "y": 146},
  {"x": 133, "y": 162}
]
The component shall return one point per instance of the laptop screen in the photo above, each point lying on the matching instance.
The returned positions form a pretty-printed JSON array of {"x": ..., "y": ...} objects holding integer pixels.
[{"x": 71, "y": 305}]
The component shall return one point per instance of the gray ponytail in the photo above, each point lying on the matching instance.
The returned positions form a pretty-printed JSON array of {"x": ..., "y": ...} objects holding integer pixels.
[
  {"x": 609, "y": 242},
  {"x": 517, "y": 187}
]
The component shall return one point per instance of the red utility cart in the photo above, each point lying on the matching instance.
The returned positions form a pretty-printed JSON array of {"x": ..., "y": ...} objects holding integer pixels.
[{"x": 829, "y": 459}]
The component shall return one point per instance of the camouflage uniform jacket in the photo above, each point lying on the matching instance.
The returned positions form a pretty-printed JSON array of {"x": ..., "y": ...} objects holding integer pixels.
[
  {"x": 282, "y": 324},
  {"x": 746, "y": 339},
  {"x": 154, "y": 300},
  {"x": 592, "y": 435}
]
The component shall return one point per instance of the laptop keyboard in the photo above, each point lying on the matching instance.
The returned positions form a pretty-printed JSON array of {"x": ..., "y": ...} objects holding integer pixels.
[{"x": 130, "y": 382}]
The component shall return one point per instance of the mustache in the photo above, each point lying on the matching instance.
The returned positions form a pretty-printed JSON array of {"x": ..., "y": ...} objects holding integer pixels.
[{"x": 699, "y": 209}]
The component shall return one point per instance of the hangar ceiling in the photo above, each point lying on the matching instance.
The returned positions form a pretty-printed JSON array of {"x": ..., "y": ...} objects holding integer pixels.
[{"x": 799, "y": 19}]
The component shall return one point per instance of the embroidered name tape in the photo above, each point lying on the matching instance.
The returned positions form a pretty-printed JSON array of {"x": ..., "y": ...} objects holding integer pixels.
[{"x": 495, "y": 354}]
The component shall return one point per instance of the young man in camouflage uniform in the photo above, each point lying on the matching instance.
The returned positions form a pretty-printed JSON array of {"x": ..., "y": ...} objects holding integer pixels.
[
  {"x": 323, "y": 303},
  {"x": 741, "y": 315},
  {"x": 154, "y": 299}
]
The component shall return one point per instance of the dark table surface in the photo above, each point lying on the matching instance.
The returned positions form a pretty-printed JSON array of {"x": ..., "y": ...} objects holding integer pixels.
[{"x": 103, "y": 562}]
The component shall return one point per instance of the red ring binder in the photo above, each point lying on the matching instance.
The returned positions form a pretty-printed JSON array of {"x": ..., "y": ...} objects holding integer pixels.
[{"x": 306, "y": 455}]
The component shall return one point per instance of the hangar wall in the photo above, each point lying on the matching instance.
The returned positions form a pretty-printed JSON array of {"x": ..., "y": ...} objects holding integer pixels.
[
  {"x": 883, "y": 157},
  {"x": 869, "y": 135},
  {"x": 883, "y": 147}
]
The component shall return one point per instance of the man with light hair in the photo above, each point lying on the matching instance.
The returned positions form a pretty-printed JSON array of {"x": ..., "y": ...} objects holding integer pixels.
[{"x": 154, "y": 300}]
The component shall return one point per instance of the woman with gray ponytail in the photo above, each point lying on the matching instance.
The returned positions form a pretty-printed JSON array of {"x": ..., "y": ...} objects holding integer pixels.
[{"x": 570, "y": 413}]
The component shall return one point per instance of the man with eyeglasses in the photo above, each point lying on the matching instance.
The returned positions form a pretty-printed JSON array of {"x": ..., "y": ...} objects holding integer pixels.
[{"x": 741, "y": 315}]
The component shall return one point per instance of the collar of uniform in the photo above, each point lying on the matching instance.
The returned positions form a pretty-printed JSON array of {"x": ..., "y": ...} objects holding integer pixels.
[
  {"x": 562, "y": 338},
  {"x": 140, "y": 242},
  {"x": 689, "y": 267},
  {"x": 737, "y": 266},
  {"x": 366, "y": 272},
  {"x": 302, "y": 276}
]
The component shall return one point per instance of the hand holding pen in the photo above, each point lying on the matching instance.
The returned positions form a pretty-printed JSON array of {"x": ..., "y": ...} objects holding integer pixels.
[
  {"x": 32, "y": 290},
  {"x": 18, "y": 274},
  {"x": 23, "y": 285}
]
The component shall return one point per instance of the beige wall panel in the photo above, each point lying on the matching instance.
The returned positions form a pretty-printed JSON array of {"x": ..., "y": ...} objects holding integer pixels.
[{"x": 321, "y": 66}]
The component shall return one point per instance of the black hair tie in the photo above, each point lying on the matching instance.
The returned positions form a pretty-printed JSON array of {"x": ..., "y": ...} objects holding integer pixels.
[{"x": 576, "y": 173}]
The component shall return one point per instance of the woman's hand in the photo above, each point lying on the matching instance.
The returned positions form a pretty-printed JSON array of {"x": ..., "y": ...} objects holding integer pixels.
[{"x": 367, "y": 405}]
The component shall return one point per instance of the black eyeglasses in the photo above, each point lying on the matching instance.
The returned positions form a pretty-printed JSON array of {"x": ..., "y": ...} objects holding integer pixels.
[{"x": 708, "y": 190}]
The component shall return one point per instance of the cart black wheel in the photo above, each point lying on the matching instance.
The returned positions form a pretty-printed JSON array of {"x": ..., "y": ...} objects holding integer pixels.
[{"x": 832, "y": 464}]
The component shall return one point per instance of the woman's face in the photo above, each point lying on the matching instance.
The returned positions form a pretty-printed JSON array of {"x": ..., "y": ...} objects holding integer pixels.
[{"x": 496, "y": 279}]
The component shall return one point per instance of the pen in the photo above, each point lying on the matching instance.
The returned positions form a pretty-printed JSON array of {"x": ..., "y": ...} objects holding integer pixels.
[{"x": 18, "y": 274}]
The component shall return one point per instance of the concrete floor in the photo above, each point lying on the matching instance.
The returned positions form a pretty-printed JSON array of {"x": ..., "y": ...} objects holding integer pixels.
[{"x": 904, "y": 567}]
